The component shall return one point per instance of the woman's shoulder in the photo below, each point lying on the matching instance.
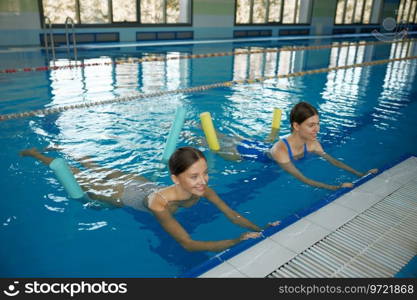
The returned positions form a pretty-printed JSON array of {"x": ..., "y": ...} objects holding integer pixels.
[
  {"x": 281, "y": 144},
  {"x": 315, "y": 146},
  {"x": 159, "y": 199},
  {"x": 279, "y": 151},
  {"x": 208, "y": 192}
]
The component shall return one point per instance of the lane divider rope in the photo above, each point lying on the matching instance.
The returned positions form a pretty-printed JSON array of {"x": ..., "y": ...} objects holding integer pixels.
[
  {"x": 48, "y": 111},
  {"x": 203, "y": 55}
]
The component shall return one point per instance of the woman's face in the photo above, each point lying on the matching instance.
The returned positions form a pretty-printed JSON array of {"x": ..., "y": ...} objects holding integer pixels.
[
  {"x": 194, "y": 180},
  {"x": 309, "y": 128}
]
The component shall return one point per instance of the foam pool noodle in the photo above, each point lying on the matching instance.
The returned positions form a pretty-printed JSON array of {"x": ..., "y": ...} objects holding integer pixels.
[
  {"x": 209, "y": 131},
  {"x": 66, "y": 178},
  {"x": 276, "y": 118}
]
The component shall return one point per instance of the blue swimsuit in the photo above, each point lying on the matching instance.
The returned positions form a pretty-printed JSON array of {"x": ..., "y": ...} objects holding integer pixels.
[
  {"x": 259, "y": 151},
  {"x": 254, "y": 150},
  {"x": 290, "y": 152}
]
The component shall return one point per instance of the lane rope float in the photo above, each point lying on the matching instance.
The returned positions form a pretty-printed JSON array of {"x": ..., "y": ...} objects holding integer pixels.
[
  {"x": 48, "y": 111},
  {"x": 202, "y": 55}
]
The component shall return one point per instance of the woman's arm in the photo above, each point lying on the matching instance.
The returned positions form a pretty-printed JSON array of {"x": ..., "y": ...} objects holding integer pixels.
[
  {"x": 232, "y": 215},
  {"x": 290, "y": 168},
  {"x": 280, "y": 155},
  {"x": 338, "y": 163},
  {"x": 318, "y": 149},
  {"x": 174, "y": 228}
]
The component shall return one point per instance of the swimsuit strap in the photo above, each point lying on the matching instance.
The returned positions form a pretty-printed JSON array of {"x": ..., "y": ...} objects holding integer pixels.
[{"x": 289, "y": 149}]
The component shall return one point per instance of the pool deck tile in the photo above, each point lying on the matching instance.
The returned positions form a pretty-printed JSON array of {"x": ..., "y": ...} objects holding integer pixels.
[
  {"x": 258, "y": 262},
  {"x": 277, "y": 248},
  {"x": 300, "y": 235}
]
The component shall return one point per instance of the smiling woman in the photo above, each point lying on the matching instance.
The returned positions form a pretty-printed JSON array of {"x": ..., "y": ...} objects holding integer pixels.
[
  {"x": 188, "y": 168},
  {"x": 305, "y": 125}
]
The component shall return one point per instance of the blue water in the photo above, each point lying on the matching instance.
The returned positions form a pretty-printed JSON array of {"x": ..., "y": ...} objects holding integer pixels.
[{"x": 368, "y": 119}]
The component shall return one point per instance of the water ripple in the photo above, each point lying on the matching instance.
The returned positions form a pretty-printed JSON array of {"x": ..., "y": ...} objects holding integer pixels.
[{"x": 91, "y": 226}]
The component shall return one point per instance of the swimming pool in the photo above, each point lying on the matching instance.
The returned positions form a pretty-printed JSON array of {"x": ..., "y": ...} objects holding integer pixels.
[{"x": 368, "y": 118}]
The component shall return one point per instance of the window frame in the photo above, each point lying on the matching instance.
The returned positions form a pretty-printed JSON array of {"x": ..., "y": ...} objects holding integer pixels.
[
  {"x": 113, "y": 24},
  {"x": 408, "y": 16},
  {"x": 267, "y": 15},
  {"x": 378, "y": 22}
]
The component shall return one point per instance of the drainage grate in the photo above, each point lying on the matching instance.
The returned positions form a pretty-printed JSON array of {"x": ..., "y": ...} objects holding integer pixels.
[{"x": 376, "y": 243}]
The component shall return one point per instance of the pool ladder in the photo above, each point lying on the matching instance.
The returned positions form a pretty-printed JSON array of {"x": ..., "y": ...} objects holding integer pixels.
[
  {"x": 49, "y": 32},
  {"x": 74, "y": 43},
  {"x": 47, "y": 22}
]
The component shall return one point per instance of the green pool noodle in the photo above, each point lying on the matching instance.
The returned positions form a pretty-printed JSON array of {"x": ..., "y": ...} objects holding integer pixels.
[
  {"x": 174, "y": 133},
  {"x": 66, "y": 178}
]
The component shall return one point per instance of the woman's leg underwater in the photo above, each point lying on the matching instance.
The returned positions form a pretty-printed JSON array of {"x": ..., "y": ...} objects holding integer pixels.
[{"x": 95, "y": 188}]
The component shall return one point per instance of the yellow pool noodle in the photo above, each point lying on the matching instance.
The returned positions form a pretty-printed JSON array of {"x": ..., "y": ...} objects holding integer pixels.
[
  {"x": 209, "y": 131},
  {"x": 276, "y": 118}
]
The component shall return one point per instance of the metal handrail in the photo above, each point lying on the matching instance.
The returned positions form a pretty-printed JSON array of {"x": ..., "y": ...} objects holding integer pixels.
[
  {"x": 74, "y": 43},
  {"x": 48, "y": 22}
]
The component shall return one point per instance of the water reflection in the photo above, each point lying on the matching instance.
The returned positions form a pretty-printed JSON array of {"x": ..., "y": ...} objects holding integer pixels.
[
  {"x": 253, "y": 104},
  {"x": 344, "y": 89},
  {"x": 397, "y": 84}
]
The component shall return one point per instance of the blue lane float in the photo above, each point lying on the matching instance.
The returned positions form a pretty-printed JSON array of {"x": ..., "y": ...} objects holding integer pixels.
[
  {"x": 66, "y": 178},
  {"x": 174, "y": 133}
]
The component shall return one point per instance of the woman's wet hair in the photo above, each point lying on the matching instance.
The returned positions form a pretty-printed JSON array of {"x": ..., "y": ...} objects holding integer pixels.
[
  {"x": 183, "y": 158},
  {"x": 301, "y": 112}
]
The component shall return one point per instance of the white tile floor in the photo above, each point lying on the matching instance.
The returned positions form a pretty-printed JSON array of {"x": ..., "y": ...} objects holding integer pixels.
[
  {"x": 301, "y": 234},
  {"x": 267, "y": 255},
  {"x": 260, "y": 259},
  {"x": 331, "y": 216},
  {"x": 357, "y": 200}
]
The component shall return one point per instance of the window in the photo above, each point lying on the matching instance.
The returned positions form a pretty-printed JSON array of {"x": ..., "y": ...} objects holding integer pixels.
[
  {"x": 124, "y": 11},
  {"x": 118, "y": 11},
  {"x": 407, "y": 12},
  {"x": 94, "y": 12},
  {"x": 358, "y": 11},
  {"x": 58, "y": 10},
  {"x": 273, "y": 11}
]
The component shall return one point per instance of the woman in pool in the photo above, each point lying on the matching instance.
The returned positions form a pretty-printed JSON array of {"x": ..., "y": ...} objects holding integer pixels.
[
  {"x": 305, "y": 125},
  {"x": 188, "y": 169}
]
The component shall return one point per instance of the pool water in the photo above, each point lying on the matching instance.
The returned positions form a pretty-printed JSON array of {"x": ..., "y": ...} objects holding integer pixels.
[{"x": 368, "y": 119}]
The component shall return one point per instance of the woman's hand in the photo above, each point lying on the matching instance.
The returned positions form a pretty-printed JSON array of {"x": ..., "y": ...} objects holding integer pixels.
[
  {"x": 346, "y": 185},
  {"x": 250, "y": 235},
  {"x": 372, "y": 171},
  {"x": 271, "y": 224},
  {"x": 342, "y": 185}
]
